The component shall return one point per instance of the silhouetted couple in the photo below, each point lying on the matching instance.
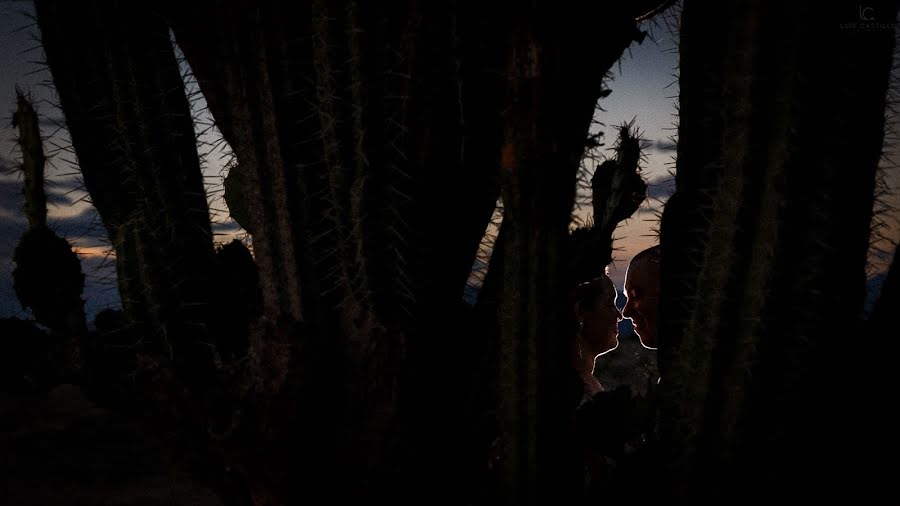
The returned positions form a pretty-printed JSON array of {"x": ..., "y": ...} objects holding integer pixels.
[
  {"x": 598, "y": 316},
  {"x": 613, "y": 426}
]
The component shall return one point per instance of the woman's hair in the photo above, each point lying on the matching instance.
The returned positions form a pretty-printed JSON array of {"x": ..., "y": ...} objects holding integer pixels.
[{"x": 588, "y": 292}]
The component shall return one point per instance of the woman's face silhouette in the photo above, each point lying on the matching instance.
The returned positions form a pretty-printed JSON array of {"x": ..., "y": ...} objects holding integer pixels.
[{"x": 600, "y": 317}]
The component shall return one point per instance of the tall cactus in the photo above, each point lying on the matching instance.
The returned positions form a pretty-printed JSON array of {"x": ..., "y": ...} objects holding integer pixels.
[
  {"x": 764, "y": 243},
  {"x": 121, "y": 91},
  {"x": 363, "y": 126},
  {"x": 551, "y": 97},
  {"x": 48, "y": 277}
]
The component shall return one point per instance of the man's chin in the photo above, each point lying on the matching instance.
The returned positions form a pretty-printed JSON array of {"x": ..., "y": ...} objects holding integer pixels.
[
  {"x": 649, "y": 343},
  {"x": 638, "y": 331},
  {"x": 615, "y": 344}
]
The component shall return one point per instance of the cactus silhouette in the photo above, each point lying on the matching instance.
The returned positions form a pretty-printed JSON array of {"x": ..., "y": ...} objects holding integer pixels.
[
  {"x": 877, "y": 404},
  {"x": 367, "y": 111},
  {"x": 372, "y": 142},
  {"x": 33, "y": 160},
  {"x": 131, "y": 128},
  {"x": 617, "y": 190},
  {"x": 552, "y": 93},
  {"x": 764, "y": 247},
  {"x": 235, "y": 299},
  {"x": 48, "y": 277}
]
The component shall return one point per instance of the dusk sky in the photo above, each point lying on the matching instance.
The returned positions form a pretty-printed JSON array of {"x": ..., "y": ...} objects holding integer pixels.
[{"x": 643, "y": 88}]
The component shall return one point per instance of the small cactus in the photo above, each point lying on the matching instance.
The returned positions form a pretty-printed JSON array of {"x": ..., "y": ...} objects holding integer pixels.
[
  {"x": 47, "y": 277},
  {"x": 31, "y": 146},
  {"x": 617, "y": 190},
  {"x": 49, "y": 281}
]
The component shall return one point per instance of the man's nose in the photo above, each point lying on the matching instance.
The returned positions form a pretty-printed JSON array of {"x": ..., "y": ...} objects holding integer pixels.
[{"x": 628, "y": 310}]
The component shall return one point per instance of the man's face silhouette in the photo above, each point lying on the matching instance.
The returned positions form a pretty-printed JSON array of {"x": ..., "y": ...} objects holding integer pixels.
[{"x": 642, "y": 299}]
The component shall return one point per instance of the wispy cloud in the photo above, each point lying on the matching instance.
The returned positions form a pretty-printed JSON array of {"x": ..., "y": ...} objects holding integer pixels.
[
  {"x": 665, "y": 145},
  {"x": 52, "y": 122},
  {"x": 84, "y": 221},
  {"x": 10, "y": 232},
  {"x": 226, "y": 228},
  {"x": 883, "y": 255},
  {"x": 11, "y": 200},
  {"x": 6, "y": 165},
  {"x": 661, "y": 188},
  {"x": 80, "y": 225}
]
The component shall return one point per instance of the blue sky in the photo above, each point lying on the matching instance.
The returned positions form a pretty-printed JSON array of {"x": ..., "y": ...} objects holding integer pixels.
[{"x": 643, "y": 88}]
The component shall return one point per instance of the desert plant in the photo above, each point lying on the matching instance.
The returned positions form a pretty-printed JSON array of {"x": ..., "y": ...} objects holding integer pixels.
[
  {"x": 48, "y": 277},
  {"x": 371, "y": 144},
  {"x": 131, "y": 128},
  {"x": 764, "y": 246},
  {"x": 617, "y": 190}
]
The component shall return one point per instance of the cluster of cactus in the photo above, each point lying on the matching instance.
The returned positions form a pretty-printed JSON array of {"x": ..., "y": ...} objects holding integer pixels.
[
  {"x": 47, "y": 277},
  {"x": 372, "y": 143}
]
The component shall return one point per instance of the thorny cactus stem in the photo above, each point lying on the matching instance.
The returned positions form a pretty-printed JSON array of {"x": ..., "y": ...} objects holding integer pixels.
[
  {"x": 48, "y": 277},
  {"x": 130, "y": 125},
  {"x": 764, "y": 245},
  {"x": 30, "y": 144}
]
